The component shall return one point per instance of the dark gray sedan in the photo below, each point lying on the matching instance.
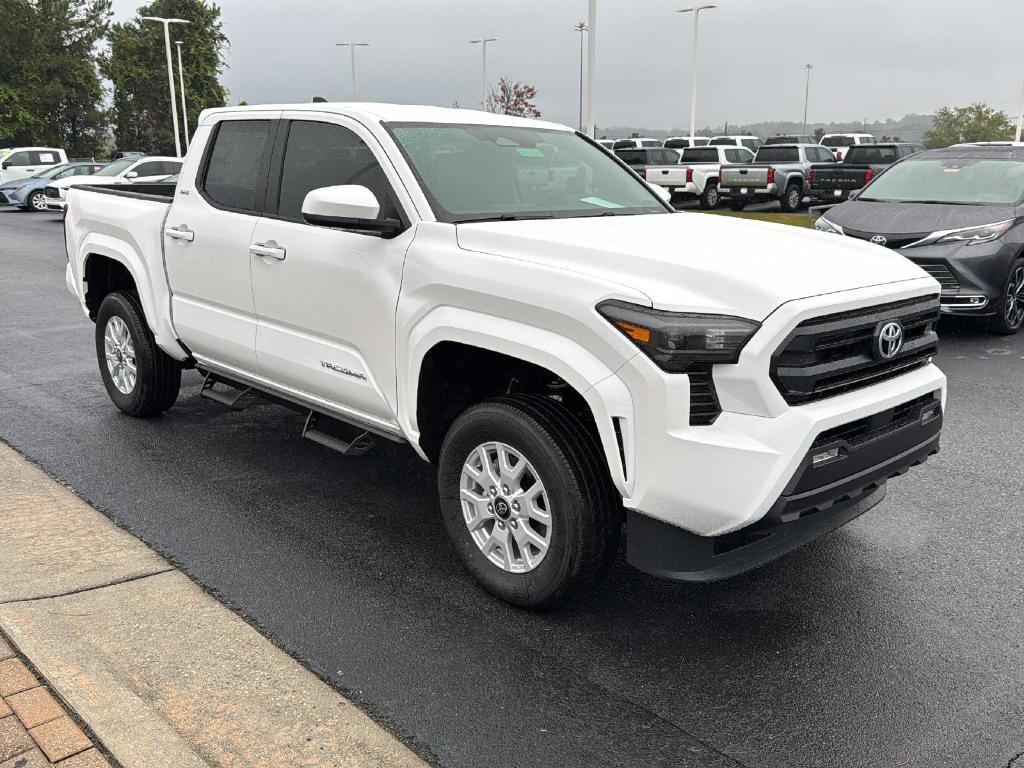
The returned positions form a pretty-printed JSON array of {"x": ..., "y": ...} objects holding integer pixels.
[{"x": 959, "y": 214}]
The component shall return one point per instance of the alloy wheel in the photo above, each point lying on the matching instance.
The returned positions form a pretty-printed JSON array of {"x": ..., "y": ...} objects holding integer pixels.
[
  {"x": 120, "y": 353},
  {"x": 1014, "y": 310},
  {"x": 38, "y": 201},
  {"x": 505, "y": 507}
]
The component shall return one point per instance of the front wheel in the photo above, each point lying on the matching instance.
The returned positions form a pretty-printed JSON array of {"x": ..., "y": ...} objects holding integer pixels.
[
  {"x": 37, "y": 202},
  {"x": 140, "y": 378},
  {"x": 710, "y": 198},
  {"x": 527, "y": 500},
  {"x": 1009, "y": 316}
]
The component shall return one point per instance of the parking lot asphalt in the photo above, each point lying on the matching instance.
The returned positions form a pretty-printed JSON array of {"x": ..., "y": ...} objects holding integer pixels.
[{"x": 896, "y": 641}]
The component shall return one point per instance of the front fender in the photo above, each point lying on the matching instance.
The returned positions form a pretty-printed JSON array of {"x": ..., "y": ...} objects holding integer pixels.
[{"x": 605, "y": 394}]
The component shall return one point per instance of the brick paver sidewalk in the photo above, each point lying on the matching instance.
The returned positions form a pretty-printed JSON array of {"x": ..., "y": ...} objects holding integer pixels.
[{"x": 35, "y": 731}]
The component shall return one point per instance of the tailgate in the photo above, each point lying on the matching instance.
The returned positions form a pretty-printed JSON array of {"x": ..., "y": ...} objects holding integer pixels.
[
  {"x": 667, "y": 175},
  {"x": 838, "y": 178},
  {"x": 755, "y": 176}
]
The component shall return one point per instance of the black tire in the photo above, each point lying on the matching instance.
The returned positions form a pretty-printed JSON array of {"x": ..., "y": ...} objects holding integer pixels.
[
  {"x": 158, "y": 374},
  {"x": 586, "y": 510},
  {"x": 737, "y": 204},
  {"x": 791, "y": 199},
  {"x": 710, "y": 197},
  {"x": 36, "y": 202},
  {"x": 1009, "y": 319}
]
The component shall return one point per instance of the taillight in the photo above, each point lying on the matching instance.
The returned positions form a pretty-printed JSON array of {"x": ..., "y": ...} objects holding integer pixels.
[
  {"x": 689, "y": 175},
  {"x": 810, "y": 176},
  {"x": 869, "y": 174},
  {"x": 771, "y": 175}
]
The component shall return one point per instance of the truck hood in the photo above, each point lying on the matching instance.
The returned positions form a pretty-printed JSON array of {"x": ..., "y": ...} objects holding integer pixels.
[
  {"x": 82, "y": 181},
  {"x": 915, "y": 218},
  {"x": 697, "y": 262}
]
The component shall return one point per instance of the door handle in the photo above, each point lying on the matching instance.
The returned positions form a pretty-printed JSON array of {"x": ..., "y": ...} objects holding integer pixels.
[
  {"x": 180, "y": 233},
  {"x": 268, "y": 250}
]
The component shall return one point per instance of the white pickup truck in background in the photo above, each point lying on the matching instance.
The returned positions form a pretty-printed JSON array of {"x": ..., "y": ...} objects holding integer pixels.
[
  {"x": 571, "y": 352},
  {"x": 698, "y": 173}
]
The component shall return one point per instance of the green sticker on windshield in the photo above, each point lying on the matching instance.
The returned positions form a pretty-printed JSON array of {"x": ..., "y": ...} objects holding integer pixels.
[
  {"x": 529, "y": 152},
  {"x": 600, "y": 202}
]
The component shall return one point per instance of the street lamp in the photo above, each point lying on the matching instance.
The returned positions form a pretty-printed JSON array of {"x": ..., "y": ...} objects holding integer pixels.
[
  {"x": 181, "y": 80},
  {"x": 581, "y": 27},
  {"x": 807, "y": 93},
  {"x": 352, "y": 47},
  {"x": 1020, "y": 119},
  {"x": 170, "y": 74},
  {"x": 695, "y": 10},
  {"x": 483, "y": 41},
  {"x": 591, "y": 64}
]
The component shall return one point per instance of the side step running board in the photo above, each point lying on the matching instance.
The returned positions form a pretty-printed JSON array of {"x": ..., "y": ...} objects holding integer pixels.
[
  {"x": 357, "y": 446},
  {"x": 232, "y": 401}
]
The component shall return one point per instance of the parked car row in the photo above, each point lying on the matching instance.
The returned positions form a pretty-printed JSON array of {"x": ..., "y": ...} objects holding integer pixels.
[{"x": 131, "y": 170}]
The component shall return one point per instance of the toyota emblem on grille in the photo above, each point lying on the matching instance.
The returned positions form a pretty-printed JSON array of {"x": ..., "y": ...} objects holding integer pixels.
[
  {"x": 879, "y": 240},
  {"x": 889, "y": 340}
]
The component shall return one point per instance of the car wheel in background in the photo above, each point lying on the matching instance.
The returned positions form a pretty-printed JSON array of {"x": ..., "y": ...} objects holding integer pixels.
[
  {"x": 141, "y": 379},
  {"x": 36, "y": 202},
  {"x": 527, "y": 500},
  {"x": 736, "y": 204},
  {"x": 710, "y": 197},
  {"x": 1009, "y": 316},
  {"x": 791, "y": 199}
]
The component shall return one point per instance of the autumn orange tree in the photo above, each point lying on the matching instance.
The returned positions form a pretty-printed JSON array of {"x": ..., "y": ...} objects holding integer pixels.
[{"x": 513, "y": 98}]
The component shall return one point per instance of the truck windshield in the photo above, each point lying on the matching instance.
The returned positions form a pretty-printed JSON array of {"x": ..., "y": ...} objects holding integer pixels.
[
  {"x": 772, "y": 154},
  {"x": 963, "y": 181},
  {"x": 499, "y": 172}
]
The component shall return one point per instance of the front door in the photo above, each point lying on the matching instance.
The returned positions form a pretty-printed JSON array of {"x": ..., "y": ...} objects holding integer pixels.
[
  {"x": 326, "y": 298},
  {"x": 206, "y": 243}
]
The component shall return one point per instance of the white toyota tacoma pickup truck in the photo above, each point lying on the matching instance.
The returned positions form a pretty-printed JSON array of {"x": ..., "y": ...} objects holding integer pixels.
[{"x": 572, "y": 354}]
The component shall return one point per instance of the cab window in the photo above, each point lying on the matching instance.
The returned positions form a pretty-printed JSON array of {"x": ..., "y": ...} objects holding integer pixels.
[
  {"x": 234, "y": 165},
  {"x": 326, "y": 155}
]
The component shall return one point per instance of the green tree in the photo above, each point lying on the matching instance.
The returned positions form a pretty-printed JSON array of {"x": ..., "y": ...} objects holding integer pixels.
[
  {"x": 51, "y": 92},
  {"x": 976, "y": 122},
  {"x": 819, "y": 133},
  {"x": 136, "y": 66}
]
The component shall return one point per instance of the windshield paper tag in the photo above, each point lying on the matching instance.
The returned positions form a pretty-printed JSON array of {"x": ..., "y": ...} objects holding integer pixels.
[
  {"x": 601, "y": 203},
  {"x": 530, "y": 152}
]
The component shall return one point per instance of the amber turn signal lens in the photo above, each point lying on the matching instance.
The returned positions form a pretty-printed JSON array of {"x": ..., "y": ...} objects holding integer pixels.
[{"x": 636, "y": 332}]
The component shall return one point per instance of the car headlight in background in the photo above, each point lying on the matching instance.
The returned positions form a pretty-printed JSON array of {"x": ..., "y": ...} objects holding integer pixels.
[
  {"x": 969, "y": 235},
  {"x": 824, "y": 225},
  {"x": 677, "y": 340}
]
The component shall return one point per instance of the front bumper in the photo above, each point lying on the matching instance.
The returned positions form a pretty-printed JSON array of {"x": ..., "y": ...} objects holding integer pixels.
[
  {"x": 825, "y": 493},
  {"x": 972, "y": 276},
  {"x": 830, "y": 194}
]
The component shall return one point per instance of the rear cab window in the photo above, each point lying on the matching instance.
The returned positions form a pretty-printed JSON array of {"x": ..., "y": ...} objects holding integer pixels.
[
  {"x": 777, "y": 154},
  {"x": 703, "y": 155},
  {"x": 235, "y": 164}
]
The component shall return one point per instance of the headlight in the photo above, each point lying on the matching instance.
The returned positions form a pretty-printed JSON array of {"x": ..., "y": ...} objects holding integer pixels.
[
  {"x": 824, "y": 225},
  {"x": 968, "y": 235},
  {"x": 675, "y": 340},
  {"x": 12, "y": 190}
]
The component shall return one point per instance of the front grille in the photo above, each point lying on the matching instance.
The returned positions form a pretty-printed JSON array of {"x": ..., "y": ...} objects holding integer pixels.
[
  {"x": 704, "y": 407},
  {"x": 53, "y": 193},
  {"x": 940, "y": 271},
  {"x": 831, "y": 355},
  {"x": 891, "y": 241}
]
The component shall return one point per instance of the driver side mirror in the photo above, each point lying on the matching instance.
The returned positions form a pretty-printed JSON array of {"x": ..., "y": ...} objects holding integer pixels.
[
  {"x": 855, "y": 194},
  {"x": 661, "y": 192},
  {"x": 5, "y": 166},
  {"x": 348, "y": 206},
  {"x": 131, "y": 175}
]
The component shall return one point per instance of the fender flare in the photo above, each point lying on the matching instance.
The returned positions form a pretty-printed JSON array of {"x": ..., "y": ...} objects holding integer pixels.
[
  {"x": 598, "y": 384},
  {"x": 156, "y": 308}
]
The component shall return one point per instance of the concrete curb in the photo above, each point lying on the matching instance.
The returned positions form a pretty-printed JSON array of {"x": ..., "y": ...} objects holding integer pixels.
[{"x": 162, "y": 673}]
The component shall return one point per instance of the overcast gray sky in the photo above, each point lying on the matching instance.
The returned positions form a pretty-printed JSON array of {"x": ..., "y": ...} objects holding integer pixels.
[{"x": 873, "y": 58}]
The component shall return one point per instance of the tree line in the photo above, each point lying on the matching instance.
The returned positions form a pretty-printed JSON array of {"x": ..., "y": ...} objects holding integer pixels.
[{"x": 71, "y": 78}]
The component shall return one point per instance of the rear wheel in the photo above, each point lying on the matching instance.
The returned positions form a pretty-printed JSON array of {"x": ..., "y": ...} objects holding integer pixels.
[
  {"x": 141, "y": 379},
  {"x": 791, "y": 199},
  {"x": 36, "y": 202},
  {"x": 710, "y": 197},
  {"x": 527, "y": 501},
  {"x": 1009, "y": 316}
]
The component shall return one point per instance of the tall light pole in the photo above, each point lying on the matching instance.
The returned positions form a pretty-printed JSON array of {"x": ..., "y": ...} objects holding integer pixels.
[
  {"x": 181, "y": 80},
  {"x": 695, "y": 10},
  {"x": 591, "y": 64},
  {"x": 170, "y": 74},
  {"x": 581, "y": 27},
  {"x": 483, "y": 41},
  {"x": 807, "y": 93},
  {"x": 1020, "y": 119},
  {"x": 352, "y": 47}
]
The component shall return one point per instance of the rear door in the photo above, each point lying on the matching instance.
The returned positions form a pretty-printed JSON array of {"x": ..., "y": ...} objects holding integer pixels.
[
  {"x": 326, "y": 298},
  {"x": 206, "y": 243}
]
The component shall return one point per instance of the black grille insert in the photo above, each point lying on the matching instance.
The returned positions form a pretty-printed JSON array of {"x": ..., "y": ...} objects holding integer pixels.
[
  {"x": 940, "y": 271},
  {"x": 704, "y": 407},
  {"x": 831, "y": 355}
]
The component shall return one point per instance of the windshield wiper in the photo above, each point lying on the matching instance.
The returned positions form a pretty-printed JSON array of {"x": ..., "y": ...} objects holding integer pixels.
[{"x": 505, "y": 217}]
